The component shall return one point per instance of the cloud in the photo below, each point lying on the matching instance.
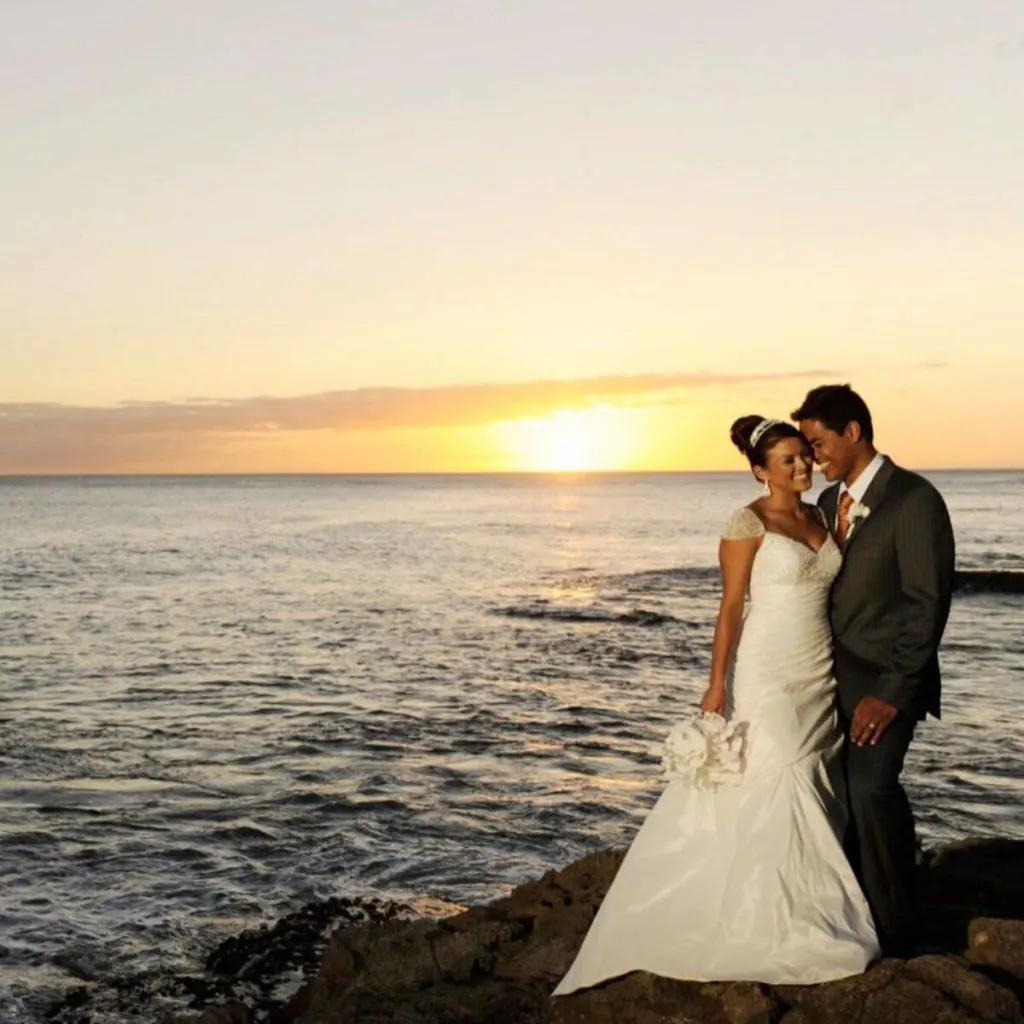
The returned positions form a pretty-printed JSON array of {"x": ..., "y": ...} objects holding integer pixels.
[{"x": 40, "y": 437}]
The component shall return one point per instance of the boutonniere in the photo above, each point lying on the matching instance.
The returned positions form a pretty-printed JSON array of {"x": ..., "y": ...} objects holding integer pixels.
[{"x": 858, "y": 510}]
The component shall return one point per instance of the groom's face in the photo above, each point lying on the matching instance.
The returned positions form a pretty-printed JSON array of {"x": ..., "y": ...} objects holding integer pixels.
[{"x": 833, "y": 452}]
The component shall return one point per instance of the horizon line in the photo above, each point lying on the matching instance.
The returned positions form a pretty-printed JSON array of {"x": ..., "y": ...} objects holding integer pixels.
[{"x": 446, "y": 473}]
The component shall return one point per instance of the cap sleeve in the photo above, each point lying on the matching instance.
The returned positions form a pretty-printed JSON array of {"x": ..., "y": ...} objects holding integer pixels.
[{"x": 743, "y": 524}]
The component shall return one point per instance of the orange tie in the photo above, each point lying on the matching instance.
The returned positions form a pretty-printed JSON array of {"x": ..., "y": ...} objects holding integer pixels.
[{"x": 843, "y": 518}]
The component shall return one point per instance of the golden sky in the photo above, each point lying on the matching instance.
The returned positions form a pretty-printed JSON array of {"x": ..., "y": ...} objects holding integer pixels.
[{"x": 456, "y": 236}]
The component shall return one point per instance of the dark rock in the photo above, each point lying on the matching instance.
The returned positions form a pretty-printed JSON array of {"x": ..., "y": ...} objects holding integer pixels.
[
  {"x": 81, "y": 963},
  {"x": 253, "y": 973},
  {"x": 233, "y": 1013},
  {"x": 293, "y": 943},
  {"x": 968, "y": 879},
  {"x": 645, "y": 999},
  {"x": 498, "y": 964},
  {"x": 926, "y": 990},
  {"x": 991, "y": 581},
  {"x": 998, "y": 943}
]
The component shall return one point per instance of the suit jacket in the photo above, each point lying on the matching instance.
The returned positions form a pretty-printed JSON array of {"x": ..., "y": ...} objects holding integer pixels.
[{"x": 890, "y": 601}]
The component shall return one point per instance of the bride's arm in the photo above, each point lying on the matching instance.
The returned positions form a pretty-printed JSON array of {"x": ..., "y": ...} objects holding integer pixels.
[{"x": 736, "y": 557}]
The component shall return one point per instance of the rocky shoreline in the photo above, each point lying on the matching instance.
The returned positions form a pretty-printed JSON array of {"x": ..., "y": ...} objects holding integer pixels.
[{"x": 368, "y": 962}]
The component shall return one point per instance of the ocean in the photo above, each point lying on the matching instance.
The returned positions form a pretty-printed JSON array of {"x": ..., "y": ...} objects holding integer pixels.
[{"x": 224, "y": 697}]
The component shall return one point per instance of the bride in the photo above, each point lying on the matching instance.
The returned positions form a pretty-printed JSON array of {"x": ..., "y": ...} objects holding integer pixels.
[{"x": 748, "y": 882}]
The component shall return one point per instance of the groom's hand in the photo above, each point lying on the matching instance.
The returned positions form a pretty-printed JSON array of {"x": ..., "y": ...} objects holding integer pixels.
[{"x": 871, "y": 718}]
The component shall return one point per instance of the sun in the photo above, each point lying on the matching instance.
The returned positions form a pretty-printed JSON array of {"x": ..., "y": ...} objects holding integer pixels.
[
  {"x": 571, "y": 443},
  {"x": 568, "y": 441}
]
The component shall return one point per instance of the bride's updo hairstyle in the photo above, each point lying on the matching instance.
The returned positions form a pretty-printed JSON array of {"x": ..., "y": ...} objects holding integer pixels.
[{"x": 755, "y": 437}]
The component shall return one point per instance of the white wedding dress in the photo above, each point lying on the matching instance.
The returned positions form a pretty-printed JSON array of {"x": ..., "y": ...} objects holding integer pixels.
[{"x": 749, "y": 882}]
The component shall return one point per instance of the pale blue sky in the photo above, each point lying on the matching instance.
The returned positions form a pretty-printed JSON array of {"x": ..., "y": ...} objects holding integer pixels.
[{"x": 229, "y": 199}]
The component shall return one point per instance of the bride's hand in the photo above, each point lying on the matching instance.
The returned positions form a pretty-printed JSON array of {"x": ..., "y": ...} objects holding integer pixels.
[{"x": 713, "y": 700}]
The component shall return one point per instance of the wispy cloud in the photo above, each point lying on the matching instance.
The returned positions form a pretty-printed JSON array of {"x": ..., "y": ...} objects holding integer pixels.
[{"x": 46, "y": 437}]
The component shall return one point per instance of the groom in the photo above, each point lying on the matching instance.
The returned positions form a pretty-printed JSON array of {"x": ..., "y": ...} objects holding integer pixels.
[{"x": 889, "y": 607}]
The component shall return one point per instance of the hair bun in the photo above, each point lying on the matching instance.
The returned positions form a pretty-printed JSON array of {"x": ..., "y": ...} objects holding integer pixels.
[{"x": 741, "y": 430}]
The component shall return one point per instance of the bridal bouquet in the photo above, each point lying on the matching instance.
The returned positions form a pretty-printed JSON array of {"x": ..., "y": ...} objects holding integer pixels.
[{"x": 706, "y": 751}]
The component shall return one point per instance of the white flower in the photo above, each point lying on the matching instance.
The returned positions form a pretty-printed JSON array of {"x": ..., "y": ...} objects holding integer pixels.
[
  {"x": 858, "y": 510},
  {"x": 705, "y": 751}
]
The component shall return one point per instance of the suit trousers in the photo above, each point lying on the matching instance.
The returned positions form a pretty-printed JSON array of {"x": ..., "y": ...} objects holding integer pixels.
[{"x": 880, "y": 840}]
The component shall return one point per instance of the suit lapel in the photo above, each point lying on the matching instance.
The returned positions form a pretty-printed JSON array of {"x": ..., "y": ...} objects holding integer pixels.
[
  {"x": 828, "y": 501},
  {"x": 874, "y": 497}
]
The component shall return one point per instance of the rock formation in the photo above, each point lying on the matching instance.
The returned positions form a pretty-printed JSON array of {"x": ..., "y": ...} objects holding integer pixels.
[{"x": 497, "y": 964}]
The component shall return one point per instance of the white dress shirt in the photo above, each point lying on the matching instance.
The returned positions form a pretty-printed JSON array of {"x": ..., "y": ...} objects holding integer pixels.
[{"x": 860, "y": 486}]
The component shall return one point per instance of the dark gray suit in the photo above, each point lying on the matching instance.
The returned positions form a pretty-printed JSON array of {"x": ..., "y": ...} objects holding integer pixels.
[{"x": 889, "y": 608}]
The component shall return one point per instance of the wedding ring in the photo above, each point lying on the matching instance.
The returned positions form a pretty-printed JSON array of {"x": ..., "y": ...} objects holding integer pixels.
[{"x": 872, "y": 725}]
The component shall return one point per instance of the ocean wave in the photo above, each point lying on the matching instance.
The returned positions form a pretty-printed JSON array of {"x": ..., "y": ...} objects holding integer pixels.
[
  {"x": 217, "y": 707},
  {"x": 562, "y": 613}
]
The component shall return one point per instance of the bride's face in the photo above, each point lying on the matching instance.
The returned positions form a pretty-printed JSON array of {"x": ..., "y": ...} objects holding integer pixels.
[{"x": 789, "y": 465}]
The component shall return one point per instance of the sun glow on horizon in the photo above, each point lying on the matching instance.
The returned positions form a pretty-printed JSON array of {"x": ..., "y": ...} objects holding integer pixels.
[{"x": 569, "y": 441}]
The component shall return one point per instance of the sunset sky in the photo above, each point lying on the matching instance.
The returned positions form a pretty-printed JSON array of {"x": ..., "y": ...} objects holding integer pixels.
[{"x": 411, "y": 235}]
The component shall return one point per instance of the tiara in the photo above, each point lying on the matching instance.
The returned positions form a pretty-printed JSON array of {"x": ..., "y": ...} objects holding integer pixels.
[{"x": 758, "y": 432}]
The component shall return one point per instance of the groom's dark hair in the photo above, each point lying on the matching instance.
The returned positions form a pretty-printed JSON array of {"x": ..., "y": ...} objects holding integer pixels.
[{"x": 835, "y": 405}]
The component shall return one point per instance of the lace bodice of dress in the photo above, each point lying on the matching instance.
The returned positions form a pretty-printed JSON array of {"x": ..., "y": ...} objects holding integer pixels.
[{"x": 781, "y": 560}]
